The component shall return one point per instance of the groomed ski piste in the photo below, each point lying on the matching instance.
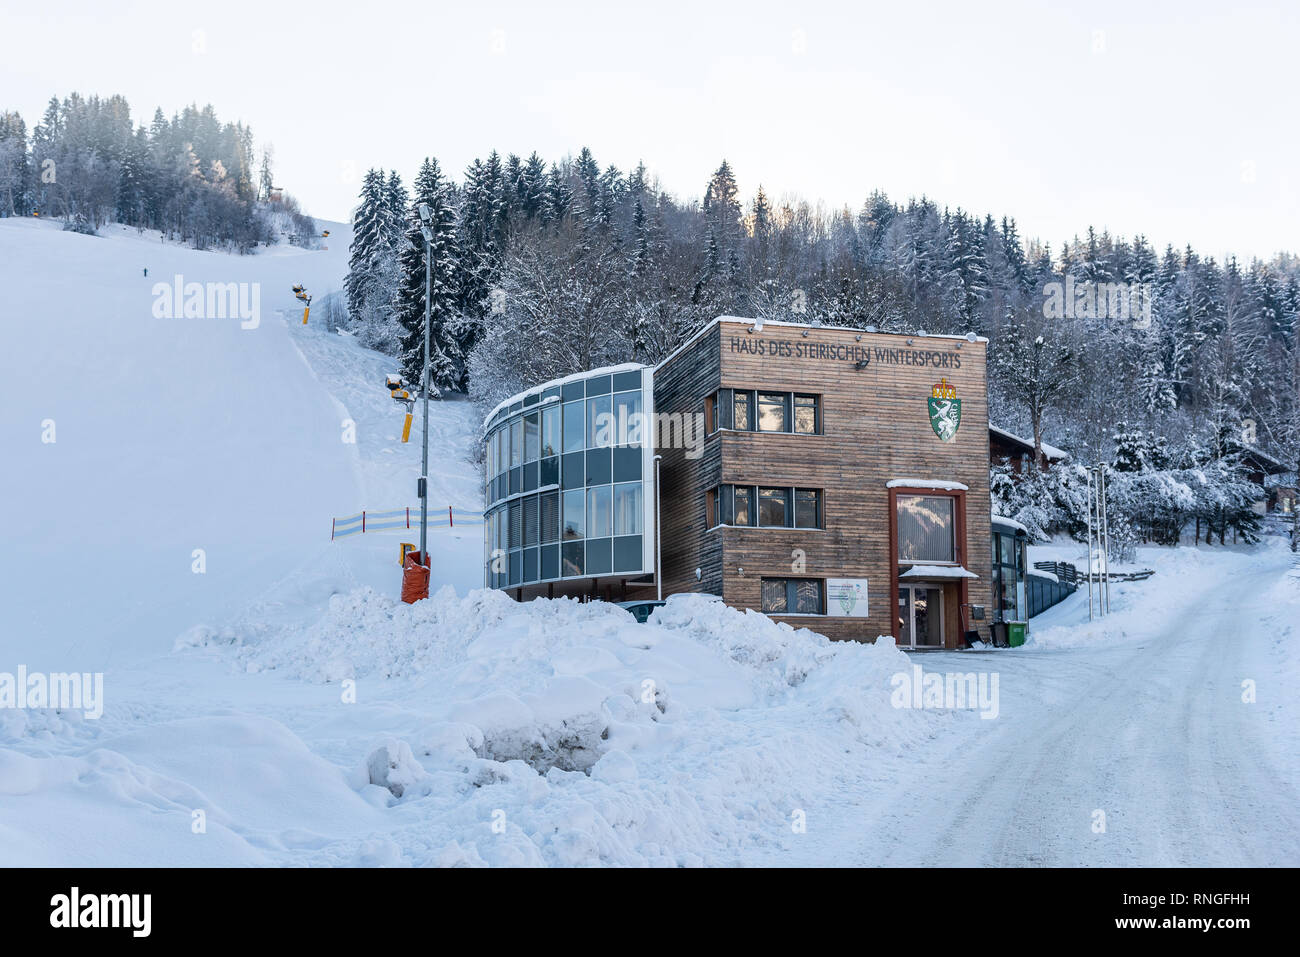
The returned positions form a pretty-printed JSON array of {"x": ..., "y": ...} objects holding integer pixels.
[{"x": 268, "y": 700}]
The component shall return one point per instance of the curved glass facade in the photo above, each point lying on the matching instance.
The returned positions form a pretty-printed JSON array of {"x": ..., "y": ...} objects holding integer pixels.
[{"x": 566, "y": 469}]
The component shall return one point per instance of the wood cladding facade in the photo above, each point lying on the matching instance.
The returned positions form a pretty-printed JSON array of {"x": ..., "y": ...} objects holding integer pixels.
[{"x": 875, "y": 430}]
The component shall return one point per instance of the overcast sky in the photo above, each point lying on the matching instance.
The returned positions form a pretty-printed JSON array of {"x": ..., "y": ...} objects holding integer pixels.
[{"x": 1175, "y": 119}]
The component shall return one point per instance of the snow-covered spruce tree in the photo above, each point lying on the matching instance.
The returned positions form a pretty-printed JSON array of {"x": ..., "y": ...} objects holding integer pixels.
[
  {"x": 482, "y": 237},
  {"x": 447, "y": 363},
  {"x": 369, "y": 238}
]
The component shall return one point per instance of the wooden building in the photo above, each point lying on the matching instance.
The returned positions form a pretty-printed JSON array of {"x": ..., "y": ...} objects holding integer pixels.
[
  {"x": 831, "y": 478},
  {"x": 1018, "y": 452}
]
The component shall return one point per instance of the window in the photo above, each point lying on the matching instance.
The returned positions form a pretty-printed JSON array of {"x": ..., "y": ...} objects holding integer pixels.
[
  {"x": 551, "y": 430},
  {"x": 548, "y": 471},
  {"x": 926, "y": 528},
  {"x": 550, "y": 517},
  {"x": 773, "y": 507},
  {"x": 530, "y": 520},
  {"x": 627, "y": 509},
  {"x": 531, "y": 445},
  {"x": 598, "y": 512},
  {"x": 743, "y": 499},
  {"x": 807, "y": 508},
  {"x": 574, "y": 436},
  {"x": 599, "y": 433},
  {"x": 629, "y": 429},
  {"x": 746, "y": 505},
  {"x": 723, "y": 409},
  {"x": 805, "y": 414},
  {"x": 746, "y": 411},
  {"x": 792, "y": 596},
  {"x": 775, "y": 595},
  {"x": 571, "y": 559},
  {"x": 516, "y": 442},
  {"x": 711, "y": 518},
  {"x": 516, "y": 523},
  {"x": 742, "y": 411},
  {"x": 627, "y": 464},
  {"x": 575, "y": 511},
  {"x": 773, "y": 412}
]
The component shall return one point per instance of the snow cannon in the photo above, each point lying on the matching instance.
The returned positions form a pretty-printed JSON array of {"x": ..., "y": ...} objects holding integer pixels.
[{"x": 402, "y": 395}]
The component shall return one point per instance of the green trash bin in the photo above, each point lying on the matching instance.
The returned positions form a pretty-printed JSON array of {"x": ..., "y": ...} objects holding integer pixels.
[{"x": 1016, "y": 631}]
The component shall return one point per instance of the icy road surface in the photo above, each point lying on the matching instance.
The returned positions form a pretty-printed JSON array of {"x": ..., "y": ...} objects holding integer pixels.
[{"x": 1140, "y": 718}]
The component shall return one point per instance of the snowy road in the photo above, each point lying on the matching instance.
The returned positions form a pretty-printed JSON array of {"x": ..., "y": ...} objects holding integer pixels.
[{"x": 1150, "y": 729}]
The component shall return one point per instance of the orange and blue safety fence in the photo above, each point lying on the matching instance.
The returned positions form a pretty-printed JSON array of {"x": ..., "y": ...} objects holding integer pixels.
[{"x": 382, "y": 521}]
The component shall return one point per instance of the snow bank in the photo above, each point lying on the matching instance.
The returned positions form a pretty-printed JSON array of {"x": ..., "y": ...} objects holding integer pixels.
[
  {"x": 559, "y": 732},
  {"x": 1138, "y": 609}
]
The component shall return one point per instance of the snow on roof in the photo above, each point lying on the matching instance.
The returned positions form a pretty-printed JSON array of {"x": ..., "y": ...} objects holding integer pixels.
[
  {"x": 551, "y": 383},
  {"x": 1039, "y": 573},
  {"x": 1051, "y": 451},
  {"x": 1003, "y": 520},
  {"x": 926, "y": 483},
  {"x": 937, "y": 571},
  {"x": 1263, "y": 458}
]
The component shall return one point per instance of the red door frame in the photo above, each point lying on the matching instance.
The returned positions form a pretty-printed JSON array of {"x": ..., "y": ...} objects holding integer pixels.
[{"x": 959, "y": 551}]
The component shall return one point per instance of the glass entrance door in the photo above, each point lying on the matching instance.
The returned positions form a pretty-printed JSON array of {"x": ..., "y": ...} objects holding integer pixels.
[{"x": 920, "y": 616}]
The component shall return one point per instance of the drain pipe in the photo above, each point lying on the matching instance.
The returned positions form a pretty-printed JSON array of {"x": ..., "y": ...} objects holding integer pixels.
[{"x": 659, "y": 547}]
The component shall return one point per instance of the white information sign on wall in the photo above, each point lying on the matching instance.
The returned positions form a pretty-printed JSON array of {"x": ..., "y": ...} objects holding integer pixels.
[{"x": 846, "y": 597}]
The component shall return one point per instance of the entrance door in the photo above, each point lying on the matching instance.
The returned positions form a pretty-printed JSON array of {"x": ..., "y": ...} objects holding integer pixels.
[{"x": 920, "y": 616}]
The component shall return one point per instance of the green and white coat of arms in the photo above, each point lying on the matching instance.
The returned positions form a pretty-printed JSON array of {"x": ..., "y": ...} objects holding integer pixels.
[{"x": 945, "y": 411}]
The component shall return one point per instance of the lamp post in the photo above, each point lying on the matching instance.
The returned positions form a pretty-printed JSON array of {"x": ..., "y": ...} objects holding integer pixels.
[
  {"x": 1104, "y": 597},
  {"x": 426, "y": 217},
  {"x": 1090, "y": 551}
]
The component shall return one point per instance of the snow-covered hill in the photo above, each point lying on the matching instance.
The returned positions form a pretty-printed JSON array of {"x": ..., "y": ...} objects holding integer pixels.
[
  {"x": 179, "y": 434},
  {"x": 283, "y": 707}
]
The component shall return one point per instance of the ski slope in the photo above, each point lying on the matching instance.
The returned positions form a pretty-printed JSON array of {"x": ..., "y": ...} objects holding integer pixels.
[
  {"x": 173, "y": 435},
  {"x": 285, "y": 699}
]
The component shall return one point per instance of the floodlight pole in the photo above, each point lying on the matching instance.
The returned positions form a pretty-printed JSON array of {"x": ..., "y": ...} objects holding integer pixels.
[
  {"x": 1105, "y": 537},
  {"x": 1090, "y": 512},
  {"x": 424, "y": 461}
]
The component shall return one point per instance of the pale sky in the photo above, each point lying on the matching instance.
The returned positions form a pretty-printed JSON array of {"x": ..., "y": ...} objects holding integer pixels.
[{"x": 1176, "y": 119}]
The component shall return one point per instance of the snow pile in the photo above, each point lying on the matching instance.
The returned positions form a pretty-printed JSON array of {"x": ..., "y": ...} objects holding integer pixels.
[
  {"x": 559, "y": 732},
  {"x": 1138, "y": 607}
]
